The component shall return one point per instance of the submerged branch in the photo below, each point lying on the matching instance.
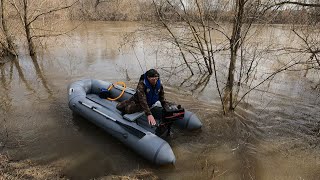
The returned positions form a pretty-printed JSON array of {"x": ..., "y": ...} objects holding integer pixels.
[
  {"x": 284, "y": 68},
  {"x": 174, "y": 37}
]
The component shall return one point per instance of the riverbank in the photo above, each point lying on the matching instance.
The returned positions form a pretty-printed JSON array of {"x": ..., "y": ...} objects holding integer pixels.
[{"x": 27, "y": 169}]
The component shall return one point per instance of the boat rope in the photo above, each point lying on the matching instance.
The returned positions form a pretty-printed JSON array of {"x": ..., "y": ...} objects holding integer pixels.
[{"x": 122, "y": 92}]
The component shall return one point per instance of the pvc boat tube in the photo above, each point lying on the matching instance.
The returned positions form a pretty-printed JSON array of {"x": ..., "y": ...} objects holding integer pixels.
[{"x": 138, "y": 135}]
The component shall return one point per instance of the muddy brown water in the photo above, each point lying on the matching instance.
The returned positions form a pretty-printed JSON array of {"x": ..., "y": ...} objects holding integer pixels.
[{"x": 274, "y": 135}]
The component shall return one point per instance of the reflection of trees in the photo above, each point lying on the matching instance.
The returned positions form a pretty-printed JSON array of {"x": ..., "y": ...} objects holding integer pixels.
[
  {"x": 7, "y": 74},
  {"x": 198, "y": 84},
  {"x": 5, "y": 103},
  {"x": 6, "y": 78},
  {"x": 40, "y": 74},
  {"x": 21, "y": 75},
  {"x": 5, "y": 98}
]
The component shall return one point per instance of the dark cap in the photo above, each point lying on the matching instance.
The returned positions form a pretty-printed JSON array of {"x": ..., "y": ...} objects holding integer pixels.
[{"x": 152, "y": 73}]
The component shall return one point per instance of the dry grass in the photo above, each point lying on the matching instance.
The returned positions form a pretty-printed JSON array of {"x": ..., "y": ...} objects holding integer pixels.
[
  {"x": 26, "y": 170},
  {"x": 135, "y": 175},
  {"x": 19, "y": 170}
]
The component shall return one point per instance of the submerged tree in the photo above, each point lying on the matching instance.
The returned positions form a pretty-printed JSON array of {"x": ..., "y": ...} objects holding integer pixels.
[
  {"x": 6, "y": 40},
  {"x": 202, "y": 20},
  {"x": 35, "y": 15}
]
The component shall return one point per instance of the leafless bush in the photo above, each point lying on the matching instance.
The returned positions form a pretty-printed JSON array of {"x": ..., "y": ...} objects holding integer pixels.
[
  {"x": 112, "y": 10},
  {"x": 197, "y": 44},
  {"x": 31, "y": 19}
]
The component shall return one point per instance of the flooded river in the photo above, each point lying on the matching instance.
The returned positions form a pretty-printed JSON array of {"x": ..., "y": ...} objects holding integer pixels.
[{"x": 274, "y": 135}]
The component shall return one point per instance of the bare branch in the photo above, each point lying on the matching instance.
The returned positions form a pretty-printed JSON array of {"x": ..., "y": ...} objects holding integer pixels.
[
  {"x": 174, "y": 37},
  {"x": 297, "y": 3},
  {"x": 51, "y": 11},
  {"x": 284, "y": 68},
  {"x": 13, "y": 3},
  {"x": 53, "y": 35},
  {"x": 292, "y": 3}
]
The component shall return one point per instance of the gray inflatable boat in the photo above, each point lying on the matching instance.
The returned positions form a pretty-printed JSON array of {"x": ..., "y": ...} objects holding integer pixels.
[{"x": 131, "y": 129}]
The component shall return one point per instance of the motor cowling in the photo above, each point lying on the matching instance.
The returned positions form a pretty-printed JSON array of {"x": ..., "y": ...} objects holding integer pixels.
[{"x": 170, "y": 114}]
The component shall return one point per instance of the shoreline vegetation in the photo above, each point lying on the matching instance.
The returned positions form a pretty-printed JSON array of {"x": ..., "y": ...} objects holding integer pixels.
[
  {"x": 10, "y": 169},
  {"x": 143, "y": 11},
  {"x": 26, "y": 169},
  {"x": 34, "y": 19},
  {"x": 37, "y": 21}
]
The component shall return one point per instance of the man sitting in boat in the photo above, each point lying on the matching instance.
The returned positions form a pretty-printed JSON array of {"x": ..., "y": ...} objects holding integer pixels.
[{"x": 149, "y": 91}]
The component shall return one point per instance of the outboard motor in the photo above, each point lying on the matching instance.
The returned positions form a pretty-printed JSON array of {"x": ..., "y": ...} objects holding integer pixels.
[{"x": 170, "y": 114}]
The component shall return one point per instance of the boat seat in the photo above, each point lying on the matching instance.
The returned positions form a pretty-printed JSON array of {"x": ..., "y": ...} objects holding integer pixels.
[
  {"x": 135, "y": 116},
  {"x": 112, "y": 106}
]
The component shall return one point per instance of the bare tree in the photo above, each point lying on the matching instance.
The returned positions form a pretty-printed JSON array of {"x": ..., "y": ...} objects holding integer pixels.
[
  {"x": 176, "y": 40},
  {"x": 7, "y": 44},
  {"x": 29, "y": 12},
  {"x": 235, "y": 42},
  {"x": 199, "y": 23}
]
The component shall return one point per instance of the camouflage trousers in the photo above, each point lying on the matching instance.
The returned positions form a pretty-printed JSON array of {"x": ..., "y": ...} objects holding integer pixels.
[{"x": 129, "y": 106}]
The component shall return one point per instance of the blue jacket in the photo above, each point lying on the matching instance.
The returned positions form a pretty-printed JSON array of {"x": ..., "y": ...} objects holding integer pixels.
[
  {"x": 152, "y": 93},
  {"x": 146, "y": 95}
]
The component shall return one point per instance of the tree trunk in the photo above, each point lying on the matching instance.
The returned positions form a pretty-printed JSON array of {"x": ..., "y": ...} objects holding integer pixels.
[
  {"x": 31, "y": 46},
  {"x": 234, "y": 47},
  {"x": 9, "y": 43},
  {"x": 27, "y": 28}
]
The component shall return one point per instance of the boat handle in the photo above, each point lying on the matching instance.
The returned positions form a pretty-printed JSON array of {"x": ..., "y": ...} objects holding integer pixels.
[
  {"x": 86, "y": 105},
  {"x": 97, "y": 111},
  {"x": 103, "y": 114},
  {"x": 137, "y": 132}
]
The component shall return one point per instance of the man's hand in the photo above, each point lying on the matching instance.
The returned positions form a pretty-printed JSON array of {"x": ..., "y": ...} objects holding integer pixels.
[{"x": 151, "y": 120}]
